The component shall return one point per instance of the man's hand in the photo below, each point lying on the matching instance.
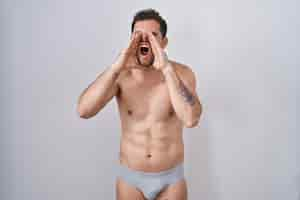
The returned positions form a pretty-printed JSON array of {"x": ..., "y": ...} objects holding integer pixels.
[
  {"x": 127, "y": 58},
  {"x": 160, "y": 56}
]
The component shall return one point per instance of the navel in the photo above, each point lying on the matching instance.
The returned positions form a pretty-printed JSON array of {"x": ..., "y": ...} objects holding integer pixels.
[
  {"x": 119, "y": 93},
  {"x": 149, "y": 155},
  {"x": 129, "y": 112}
]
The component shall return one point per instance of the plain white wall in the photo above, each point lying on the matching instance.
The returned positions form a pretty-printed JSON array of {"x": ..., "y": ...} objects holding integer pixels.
[{"x": 245, "y": 55}]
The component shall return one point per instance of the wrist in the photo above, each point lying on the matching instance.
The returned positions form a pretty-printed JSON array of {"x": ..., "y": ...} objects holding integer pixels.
[
  {"x": 167, "y": 68},
  {"x": 116, "y": 68}
]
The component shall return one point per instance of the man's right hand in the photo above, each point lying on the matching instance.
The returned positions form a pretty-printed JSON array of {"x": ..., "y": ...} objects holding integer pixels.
[{"x": 128, "y": 56}]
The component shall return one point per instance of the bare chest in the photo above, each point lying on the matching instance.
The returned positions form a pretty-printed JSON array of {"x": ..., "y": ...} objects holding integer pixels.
[{"x": 145, "y": 97}]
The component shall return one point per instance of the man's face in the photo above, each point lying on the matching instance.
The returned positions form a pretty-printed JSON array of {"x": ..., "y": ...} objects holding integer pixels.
[{"x": 144, "y": 53}]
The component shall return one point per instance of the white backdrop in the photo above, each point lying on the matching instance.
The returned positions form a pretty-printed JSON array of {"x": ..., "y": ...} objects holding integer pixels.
[{"x": 245, "y": 55}]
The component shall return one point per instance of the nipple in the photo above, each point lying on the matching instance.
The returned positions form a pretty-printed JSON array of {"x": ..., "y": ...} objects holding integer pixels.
[{"x": 129, "y": 112}]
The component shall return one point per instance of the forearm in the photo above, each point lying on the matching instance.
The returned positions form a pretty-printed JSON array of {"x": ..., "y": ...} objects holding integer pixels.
[
  {"x": 186, "y": 104},
  {"x": 99, "y": 92}
]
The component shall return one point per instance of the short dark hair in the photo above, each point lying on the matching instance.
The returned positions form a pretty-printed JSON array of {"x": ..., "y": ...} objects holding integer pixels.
[{"x": 150, "y": 14}]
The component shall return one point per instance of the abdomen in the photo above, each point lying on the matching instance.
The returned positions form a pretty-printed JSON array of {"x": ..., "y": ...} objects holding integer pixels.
[{"x": 152, "y": 150}]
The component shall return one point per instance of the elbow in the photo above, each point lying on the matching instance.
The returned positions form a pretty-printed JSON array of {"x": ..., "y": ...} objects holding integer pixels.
[
  {"x": 193, "y": 118},
  {"x": 83, "y": 116},
  {"x": 82, "y": 112},
  {"x": 86, "y": 112},
  {"x": 191, "y": 123}
]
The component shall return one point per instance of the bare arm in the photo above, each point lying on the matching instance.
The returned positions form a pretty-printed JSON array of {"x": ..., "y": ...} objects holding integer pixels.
[
  {"x": 102, "y": 90},
  {"x": 183, "y": 96},
  {"x": 98, "y": 93},
  {"x": 182, "y": 89}
]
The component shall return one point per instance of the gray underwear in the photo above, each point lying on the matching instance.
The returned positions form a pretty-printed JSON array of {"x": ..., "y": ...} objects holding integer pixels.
[{"x": 151, "y": 183}]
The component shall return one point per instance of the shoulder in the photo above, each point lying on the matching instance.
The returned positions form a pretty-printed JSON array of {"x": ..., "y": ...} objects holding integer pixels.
[{"x": 184, "y": 71}]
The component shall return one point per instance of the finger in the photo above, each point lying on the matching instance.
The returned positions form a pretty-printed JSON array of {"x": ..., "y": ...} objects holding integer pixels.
[
  {"x": 153, "y": 43},
  {"x": 134, "y": 40}
]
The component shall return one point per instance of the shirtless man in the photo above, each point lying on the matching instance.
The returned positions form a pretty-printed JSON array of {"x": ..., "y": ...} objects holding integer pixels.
[{"x": 156, "y": 98}]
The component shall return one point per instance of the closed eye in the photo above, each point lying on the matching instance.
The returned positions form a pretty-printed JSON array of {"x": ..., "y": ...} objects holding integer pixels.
[{"x": 154, "y": 33}]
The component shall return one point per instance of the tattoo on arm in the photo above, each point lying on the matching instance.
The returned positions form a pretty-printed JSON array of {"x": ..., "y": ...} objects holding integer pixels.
[{"x": 186, "y": 94}]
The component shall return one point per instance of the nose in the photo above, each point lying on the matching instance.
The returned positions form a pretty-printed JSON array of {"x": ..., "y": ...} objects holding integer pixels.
[{"x": 144, "y": 37}]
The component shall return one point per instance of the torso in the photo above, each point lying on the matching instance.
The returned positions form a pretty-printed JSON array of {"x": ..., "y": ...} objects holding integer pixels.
[{"x": 151, "y": 137}]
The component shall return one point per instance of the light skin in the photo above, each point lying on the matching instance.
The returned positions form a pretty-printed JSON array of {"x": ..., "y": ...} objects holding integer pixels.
[{"x": 156, "y": 98}]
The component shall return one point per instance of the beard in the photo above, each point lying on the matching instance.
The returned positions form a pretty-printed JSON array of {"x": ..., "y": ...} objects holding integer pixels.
[{"x": 145, "y": 61}]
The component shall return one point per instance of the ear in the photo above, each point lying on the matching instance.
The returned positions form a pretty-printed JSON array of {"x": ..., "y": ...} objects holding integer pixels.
[{"x": 164, "y": 42}]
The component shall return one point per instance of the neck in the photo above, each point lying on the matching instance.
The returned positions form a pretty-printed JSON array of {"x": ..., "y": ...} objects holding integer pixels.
[
  {"x": 144, "y": 68},
  {"x": 141, "y": 71}
]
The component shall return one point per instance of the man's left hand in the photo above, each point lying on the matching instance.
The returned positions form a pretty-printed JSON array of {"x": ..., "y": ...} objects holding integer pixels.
[{"x": 160, "y": 56}]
